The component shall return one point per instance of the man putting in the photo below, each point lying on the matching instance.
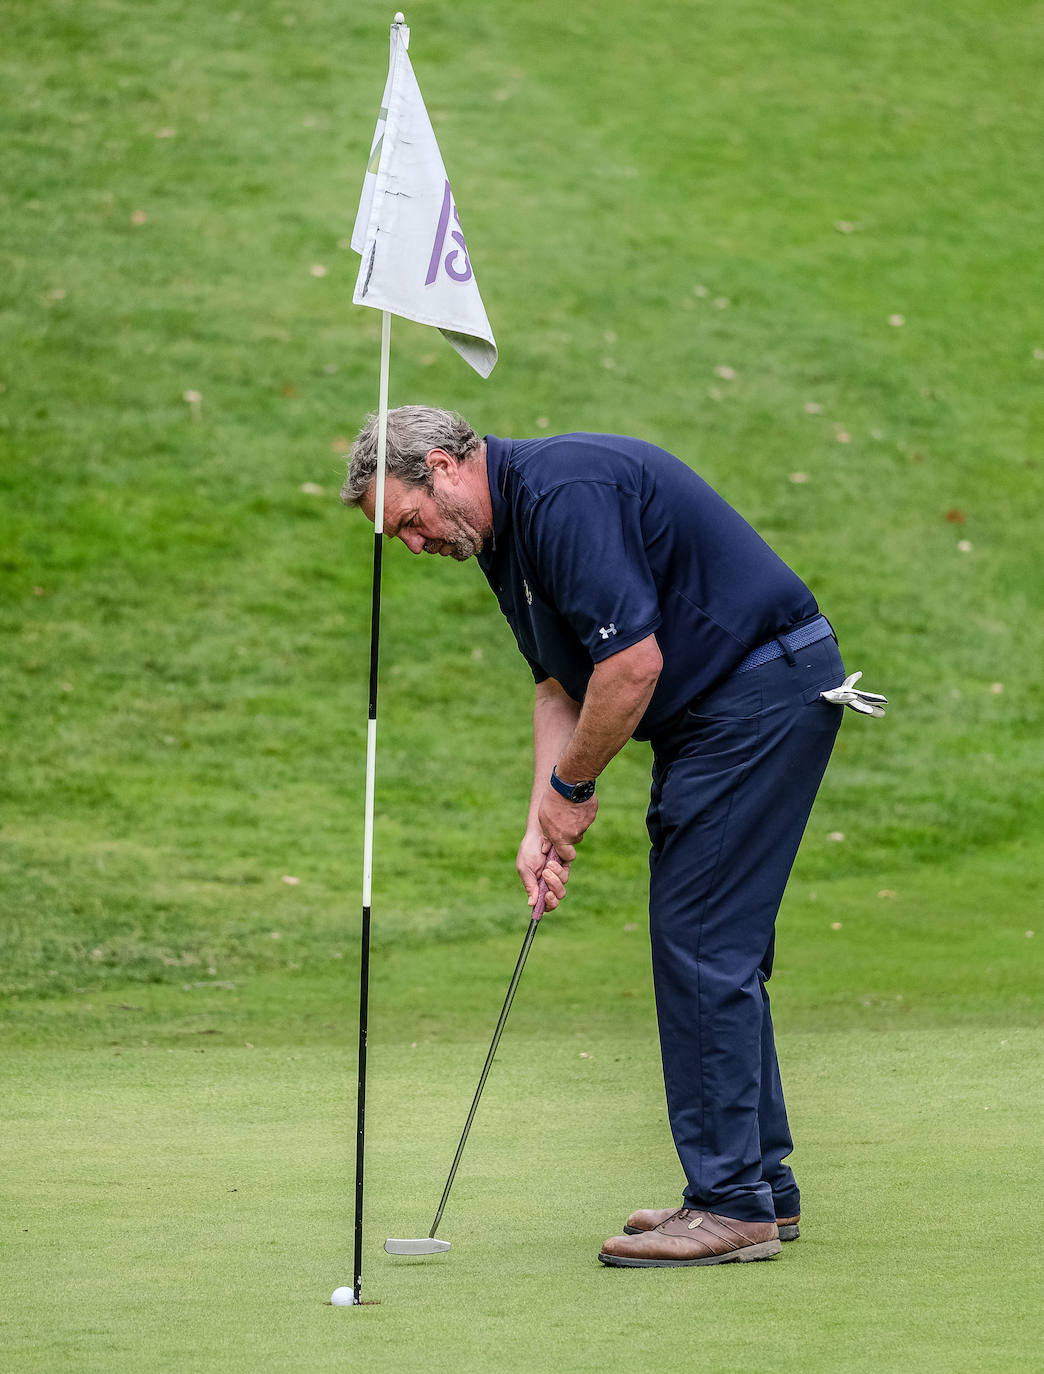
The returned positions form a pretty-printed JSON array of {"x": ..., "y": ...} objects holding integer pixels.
[{"x": 646, "y": 607}]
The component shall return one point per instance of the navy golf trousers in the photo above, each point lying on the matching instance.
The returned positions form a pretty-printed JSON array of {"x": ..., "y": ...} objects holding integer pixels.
[{"x": 734, "y": 779}]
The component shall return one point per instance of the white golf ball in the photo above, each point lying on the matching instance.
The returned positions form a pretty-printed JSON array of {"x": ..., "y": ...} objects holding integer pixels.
[{"x": 343, "y": 1297}]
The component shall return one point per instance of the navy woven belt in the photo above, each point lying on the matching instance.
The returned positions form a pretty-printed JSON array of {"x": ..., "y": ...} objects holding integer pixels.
[{"x": 791, "y": 642}]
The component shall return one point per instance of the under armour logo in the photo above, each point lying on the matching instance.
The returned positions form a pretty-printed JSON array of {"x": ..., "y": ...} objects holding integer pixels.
[
  {"x": 607, "y": 630},
  {"x": 529, "y": 594}
]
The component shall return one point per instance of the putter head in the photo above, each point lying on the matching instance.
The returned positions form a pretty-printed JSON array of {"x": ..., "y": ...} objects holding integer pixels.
[{"x": 427, "y": 1245}]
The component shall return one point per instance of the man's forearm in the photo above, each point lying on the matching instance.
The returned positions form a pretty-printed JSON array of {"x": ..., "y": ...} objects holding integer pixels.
[
  {"x": 580, "y": 742},
  {"x": 555, "y": 717},
  {"x": 617, "y": 694}
]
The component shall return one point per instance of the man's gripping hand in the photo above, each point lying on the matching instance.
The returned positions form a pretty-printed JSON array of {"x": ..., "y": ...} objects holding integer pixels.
[
  {"x": 533, "y": 864},
  {"x": 563, "y": 823}
]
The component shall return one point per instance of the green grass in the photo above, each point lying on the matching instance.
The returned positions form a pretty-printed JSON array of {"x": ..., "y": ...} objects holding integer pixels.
[
  {"x": 183, "y": 665},
  {"x": 178, "y": 1176},
  {"x": 190, "y": 1210}
]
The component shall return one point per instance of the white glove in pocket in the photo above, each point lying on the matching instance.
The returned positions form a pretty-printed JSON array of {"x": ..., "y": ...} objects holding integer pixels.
[{"x": 866, "y": 703}]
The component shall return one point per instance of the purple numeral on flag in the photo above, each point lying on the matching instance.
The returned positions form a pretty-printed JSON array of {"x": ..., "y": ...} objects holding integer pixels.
[{"x": 440, "y": 242}]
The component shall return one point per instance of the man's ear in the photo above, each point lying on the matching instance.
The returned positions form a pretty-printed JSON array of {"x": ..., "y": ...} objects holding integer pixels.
[{"x": 439, "y": 461}]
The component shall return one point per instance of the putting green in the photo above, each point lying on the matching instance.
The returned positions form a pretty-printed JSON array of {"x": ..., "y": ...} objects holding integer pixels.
[{"x": 190, "y": 1209}]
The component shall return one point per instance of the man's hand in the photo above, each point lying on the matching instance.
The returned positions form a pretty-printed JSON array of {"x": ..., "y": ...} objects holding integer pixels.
[
  {"x": 563, "y": 822},
  {"x": 533, "y": 864},
  {"x": 579, "y": 742}
]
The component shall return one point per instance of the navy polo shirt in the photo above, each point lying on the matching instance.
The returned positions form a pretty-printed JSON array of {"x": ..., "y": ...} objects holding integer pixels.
[{"x": 599, "y": 541}]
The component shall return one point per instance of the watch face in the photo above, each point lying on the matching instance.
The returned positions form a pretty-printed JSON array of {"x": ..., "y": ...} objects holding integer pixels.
[{"x": 572, "y": 791}]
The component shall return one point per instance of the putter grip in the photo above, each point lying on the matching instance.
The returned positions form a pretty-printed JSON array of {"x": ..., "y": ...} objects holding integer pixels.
[{"x": 541, "y": 901}]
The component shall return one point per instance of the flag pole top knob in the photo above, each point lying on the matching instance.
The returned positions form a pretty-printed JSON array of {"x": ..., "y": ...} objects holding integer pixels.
[{"x": 400, "y": 18}]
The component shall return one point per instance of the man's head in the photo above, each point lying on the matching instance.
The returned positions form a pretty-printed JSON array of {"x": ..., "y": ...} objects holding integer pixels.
[{"x": 436, "y": 499}]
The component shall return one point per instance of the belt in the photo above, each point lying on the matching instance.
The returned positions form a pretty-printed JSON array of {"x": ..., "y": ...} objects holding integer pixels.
[{"x": 787, "y": 644}]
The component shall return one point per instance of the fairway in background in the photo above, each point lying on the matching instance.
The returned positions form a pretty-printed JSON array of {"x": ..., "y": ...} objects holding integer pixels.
[{"x": 715, "y": 259}]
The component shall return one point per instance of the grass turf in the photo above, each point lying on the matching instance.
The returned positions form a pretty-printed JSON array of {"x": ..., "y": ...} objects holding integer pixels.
[
  {"x": 188, "y": 1211},
  {"x": 178, "y": 1176},
  {"x": 185, "y": 628}
]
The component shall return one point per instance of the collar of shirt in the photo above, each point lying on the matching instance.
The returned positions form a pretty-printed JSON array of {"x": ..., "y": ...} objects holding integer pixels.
[{"x": 498, "y": 456}]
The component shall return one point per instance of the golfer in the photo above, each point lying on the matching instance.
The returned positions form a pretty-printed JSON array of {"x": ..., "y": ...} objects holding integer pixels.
[{"x": 647, "y": 608}]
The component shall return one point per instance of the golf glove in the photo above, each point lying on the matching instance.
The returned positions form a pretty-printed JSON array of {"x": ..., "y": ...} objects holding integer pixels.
[{"x": 866, "y": 703}]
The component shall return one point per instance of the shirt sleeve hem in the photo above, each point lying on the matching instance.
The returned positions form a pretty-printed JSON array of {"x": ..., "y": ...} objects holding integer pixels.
[{"x": 617, "y": 643}]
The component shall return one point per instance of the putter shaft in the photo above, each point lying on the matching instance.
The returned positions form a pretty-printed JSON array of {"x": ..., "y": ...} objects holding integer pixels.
[
  {"x": 416, "y": 1247},
  {"x": 519, "y": 966}
]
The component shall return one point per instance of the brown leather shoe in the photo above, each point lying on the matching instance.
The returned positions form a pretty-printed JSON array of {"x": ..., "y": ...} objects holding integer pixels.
[
  {"x": 788, "y": 1227},
  {"x": 689, "y": 1237},
  {"x": 650, "y": 1217}
]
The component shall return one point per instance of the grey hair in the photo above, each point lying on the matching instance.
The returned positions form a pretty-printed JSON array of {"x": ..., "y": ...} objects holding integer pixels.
[{"x": 413, "y": 431}]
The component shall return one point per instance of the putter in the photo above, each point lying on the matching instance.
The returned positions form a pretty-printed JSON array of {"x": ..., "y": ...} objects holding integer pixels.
[{"x": 429, "y": 1244}]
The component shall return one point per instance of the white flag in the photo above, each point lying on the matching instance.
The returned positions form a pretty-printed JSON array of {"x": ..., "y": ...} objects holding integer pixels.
[{"x": 414, "y": 259}]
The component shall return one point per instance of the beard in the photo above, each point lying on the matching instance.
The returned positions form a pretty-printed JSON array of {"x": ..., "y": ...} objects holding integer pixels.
[{"x": 463, "y": 539}]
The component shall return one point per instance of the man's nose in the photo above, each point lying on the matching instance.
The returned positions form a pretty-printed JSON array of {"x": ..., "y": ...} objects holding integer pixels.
[{"x": 413, "y": 539}]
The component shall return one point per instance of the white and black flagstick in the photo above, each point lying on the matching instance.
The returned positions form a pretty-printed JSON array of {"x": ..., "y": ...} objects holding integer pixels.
[
  {"x": 407, "y": 268},
  {"x": 371, "y": 776}
]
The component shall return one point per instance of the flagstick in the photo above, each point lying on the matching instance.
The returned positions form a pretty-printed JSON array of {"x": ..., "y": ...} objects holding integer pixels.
[{"x": 371, "y": 775}]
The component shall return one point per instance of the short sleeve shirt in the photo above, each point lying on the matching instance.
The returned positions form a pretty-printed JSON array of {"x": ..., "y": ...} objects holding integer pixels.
[{"x": 600, "y": 541}]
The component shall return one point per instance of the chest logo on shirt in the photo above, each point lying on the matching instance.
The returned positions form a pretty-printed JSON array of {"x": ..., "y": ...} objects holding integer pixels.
[
  {"x": 529, "y": 594},
  {"x": 606, "y": 631}
]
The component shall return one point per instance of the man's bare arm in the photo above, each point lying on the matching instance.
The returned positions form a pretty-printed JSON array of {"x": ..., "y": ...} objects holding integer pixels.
[
  {"x": 618, "y": 693},
  {"x": 555, "y": 715},
  {"x": 555, "y": 718}
]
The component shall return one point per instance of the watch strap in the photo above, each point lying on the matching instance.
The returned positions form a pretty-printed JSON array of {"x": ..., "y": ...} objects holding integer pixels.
[{"x": 572, "y": 791}]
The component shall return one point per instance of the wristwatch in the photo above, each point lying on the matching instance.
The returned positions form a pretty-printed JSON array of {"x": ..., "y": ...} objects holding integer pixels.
[{"x": 572, "y": 791}]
